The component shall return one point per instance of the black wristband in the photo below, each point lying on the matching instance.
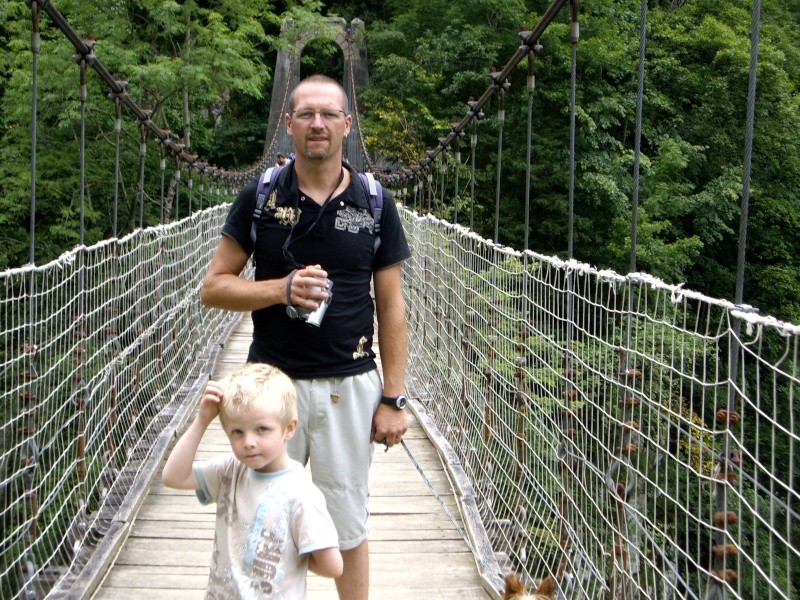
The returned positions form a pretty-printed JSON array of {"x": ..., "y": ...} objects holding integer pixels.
[
  {"x": 289, "y": 287},
  {"x": 398, "y": 402}
]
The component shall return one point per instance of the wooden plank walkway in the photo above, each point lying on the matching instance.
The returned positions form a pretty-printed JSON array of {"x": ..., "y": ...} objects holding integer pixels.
[{"x": 417, "y": 549}]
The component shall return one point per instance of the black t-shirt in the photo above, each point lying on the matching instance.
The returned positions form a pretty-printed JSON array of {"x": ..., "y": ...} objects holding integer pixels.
[{"x": 342, "y": 243}]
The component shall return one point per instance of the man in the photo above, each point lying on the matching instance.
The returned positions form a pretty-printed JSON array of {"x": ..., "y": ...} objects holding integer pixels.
[
  {"x": 280, "y": 160},
  {"x": 317, "y": 226}
]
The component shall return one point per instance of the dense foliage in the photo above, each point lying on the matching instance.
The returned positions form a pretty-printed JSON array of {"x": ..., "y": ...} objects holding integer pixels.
[{"x": 204, "y": 68}]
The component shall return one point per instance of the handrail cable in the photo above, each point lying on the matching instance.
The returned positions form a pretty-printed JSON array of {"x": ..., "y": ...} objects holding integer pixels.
[
  {"x": 84, "y": 49},
  {"x": 499, "y": 77}
]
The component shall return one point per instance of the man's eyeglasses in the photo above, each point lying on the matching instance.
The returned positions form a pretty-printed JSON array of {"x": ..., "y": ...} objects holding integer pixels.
[{"x": 328, "y": 115}]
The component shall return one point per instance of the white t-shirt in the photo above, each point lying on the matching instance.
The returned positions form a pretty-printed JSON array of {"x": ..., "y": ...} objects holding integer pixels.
[{"x": 267, "y": 524}]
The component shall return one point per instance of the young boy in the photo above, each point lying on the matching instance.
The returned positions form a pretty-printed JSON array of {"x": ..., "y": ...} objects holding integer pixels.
[{"x": 272, "y": 523}]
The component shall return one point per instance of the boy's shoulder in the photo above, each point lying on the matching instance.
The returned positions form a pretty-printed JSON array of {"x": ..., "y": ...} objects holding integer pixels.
[{"x": 298, "y": 478}]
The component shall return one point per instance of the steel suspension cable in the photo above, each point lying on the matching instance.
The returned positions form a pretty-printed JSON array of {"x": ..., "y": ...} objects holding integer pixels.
[
  {"x": 716, "y": 583},
  {"x": 457, "y": 159},
  {"x": 429, "y": 188},
  {"x": 628, "y": 435},
  {"x": 367, "y": 159},
  {"x": 637, "y": 150},
  {"x": 637, "y": 153},
  {"x": 82, "y": 60},
  {"x": 163, "y": 167},
  {"x": 531, "y": 86},
  {"x": 177, "y": 178},
  {"x": 117, "y": 135},
  {"x": 142, "y": 156},
  {"x": 79, "y": 320},
  {"x": 748, "y": 149},
  {"x": 28, "y": 568},
  {"x": 565, "y": 423},
  {"x": 473, "y": 142},
  {"x": 501, "y": 120},
  {"x": 574, "y": 31},
  {"x": 36, "y": 41},
  {"x": 420, "y": 185},
  {"x": 442, "y": 178},
  {"x": 189, "y": 186},
  {"x": 201, "y": 190}
]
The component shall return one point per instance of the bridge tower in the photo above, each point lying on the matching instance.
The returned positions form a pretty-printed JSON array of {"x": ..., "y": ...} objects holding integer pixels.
[{"x": 350, "y": 38}]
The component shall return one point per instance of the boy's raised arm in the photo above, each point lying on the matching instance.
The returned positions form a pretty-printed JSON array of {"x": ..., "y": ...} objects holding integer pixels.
[{"x": 178, "y": 472}]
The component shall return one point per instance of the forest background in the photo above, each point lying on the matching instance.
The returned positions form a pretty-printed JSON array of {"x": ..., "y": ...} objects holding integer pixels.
[{"x": 205, "y": 69}]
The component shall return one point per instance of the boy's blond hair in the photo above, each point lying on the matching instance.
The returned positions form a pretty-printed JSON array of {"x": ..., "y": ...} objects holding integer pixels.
[{"x": 259, "y": 385}]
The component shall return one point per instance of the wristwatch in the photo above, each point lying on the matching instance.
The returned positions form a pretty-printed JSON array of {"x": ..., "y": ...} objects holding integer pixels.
[{"x": 398, "y": 402}]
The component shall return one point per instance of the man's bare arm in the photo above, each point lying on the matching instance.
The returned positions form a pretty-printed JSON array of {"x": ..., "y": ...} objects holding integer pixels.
[
  {"x": 223, "y": 287},
  {"x": 389, "y": 424},
  {"x": 392, "y": 334}
]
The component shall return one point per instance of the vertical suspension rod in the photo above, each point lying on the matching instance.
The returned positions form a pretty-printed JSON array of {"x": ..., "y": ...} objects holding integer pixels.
[
  {"x": 473, "y": 142},
  {"x": 637, "y": 152},
  {"x": 531, "y": 86},
  {"x": 36, "y": 41},
  {"x": 117, "y": 135},
  {"x": 457, "y": 157},
  {"x": 501, "y": 119},
  {"x": 82, "y": 60}
]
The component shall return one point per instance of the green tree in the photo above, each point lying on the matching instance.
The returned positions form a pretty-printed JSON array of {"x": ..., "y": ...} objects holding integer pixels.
[
  {"x": 429, "y": 58},
  {"x": 182, "y": 61}
]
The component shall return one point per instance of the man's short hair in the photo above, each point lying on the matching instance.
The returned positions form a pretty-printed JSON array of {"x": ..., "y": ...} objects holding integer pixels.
[
  {"x": 321, "y": 79},
  {"x": 281, "y": 155}
]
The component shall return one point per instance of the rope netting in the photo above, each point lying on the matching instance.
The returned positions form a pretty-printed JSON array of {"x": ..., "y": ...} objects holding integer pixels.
[
  {"x": 93, "y": 388},
  {"x": 588, "y": 452},
  {"x": 597, "y": 447}
]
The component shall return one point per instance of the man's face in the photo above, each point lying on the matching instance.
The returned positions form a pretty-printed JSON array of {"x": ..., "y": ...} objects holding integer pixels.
[{"x": 318, "y": 124}]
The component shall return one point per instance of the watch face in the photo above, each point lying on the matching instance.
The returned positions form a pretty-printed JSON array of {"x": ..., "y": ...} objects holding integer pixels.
[{"x": 401, "y": 402}]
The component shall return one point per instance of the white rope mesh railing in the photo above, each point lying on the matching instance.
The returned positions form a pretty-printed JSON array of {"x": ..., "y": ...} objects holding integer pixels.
[
  {"x": 596, "y": 449},
  {"x": 602, "y": 448},
  {"x": 103, "y": 350}
]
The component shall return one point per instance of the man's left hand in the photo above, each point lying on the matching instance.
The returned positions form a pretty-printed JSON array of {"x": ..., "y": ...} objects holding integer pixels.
[{"x": 389, "y": 425}]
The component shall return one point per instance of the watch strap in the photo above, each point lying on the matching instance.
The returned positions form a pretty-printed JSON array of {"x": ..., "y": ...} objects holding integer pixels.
[{"x": 394, "y": 401}]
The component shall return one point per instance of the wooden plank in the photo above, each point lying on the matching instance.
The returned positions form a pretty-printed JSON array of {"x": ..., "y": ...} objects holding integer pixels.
[
  {"x": 379, "y": 529},
  {"x": 417, "y": 545}
]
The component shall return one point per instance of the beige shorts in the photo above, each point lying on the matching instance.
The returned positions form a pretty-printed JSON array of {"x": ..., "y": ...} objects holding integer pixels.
[{"x": 335, "y": 423}]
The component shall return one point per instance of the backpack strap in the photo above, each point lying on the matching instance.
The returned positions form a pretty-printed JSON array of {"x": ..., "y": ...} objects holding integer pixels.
[
  {"x": 374, "y": 192},
  {"x": 266, "y": 183}
]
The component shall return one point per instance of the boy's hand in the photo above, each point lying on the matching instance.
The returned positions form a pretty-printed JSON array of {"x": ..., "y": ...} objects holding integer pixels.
[
  {"x": 210, "y": 403},
  {"x": 178, "y": 472}
]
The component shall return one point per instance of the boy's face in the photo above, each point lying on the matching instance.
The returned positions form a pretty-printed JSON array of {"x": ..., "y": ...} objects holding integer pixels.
[{"x": 259, "y": 440}]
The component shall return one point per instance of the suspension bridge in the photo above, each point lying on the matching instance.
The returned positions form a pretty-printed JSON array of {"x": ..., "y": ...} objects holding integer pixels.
[{"x": 631, "y": 438}]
